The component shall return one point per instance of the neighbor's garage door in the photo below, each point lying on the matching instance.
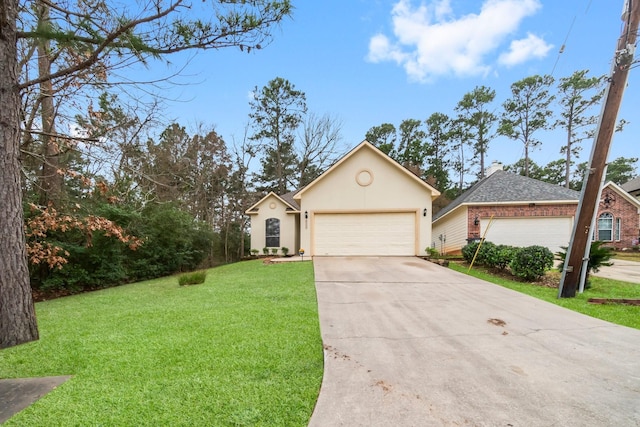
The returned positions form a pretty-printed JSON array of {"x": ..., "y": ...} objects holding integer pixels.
[
  {"x": 550, "y": 232},
  {"x": 341, "y": 234}
]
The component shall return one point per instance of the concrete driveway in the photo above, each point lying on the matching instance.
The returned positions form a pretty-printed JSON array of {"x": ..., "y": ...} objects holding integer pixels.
[
  {"x": 410, "y": 343},
  {"x": 627, "y": 271}
]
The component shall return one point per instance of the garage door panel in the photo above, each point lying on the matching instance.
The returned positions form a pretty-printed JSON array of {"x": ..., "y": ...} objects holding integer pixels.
[
  {"x": 552, "y": 232},
  {"x": 365, "y": 234}
]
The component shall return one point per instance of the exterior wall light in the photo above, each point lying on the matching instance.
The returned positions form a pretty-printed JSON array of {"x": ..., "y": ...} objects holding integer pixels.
[{"x": 476, "y": 220}]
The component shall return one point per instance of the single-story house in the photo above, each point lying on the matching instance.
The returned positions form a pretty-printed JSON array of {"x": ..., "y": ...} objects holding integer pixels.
[
  {"x": 510, "y": 209},
  {"x": 365, "y": 204}
]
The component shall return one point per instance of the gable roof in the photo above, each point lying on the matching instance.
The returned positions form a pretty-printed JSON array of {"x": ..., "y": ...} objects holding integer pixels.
[
  {"x": 367, "y": 145},
  {"x": 633, "y": 185},
  {"x": 505, "y": 187},
  {"x": 621, "y": 191},
  {"x": 287, "y": 199}
]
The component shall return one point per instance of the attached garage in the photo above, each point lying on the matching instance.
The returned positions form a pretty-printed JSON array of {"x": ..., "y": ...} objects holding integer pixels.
[
  {"x": 552, "y": 232},
  {"x": 366, "y": 204},
  {"x": 365, "y": 233}
]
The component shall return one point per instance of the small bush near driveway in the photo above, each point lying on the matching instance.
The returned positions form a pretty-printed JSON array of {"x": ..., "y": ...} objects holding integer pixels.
[
  {"x": 528, "y": 263},
  {"x": 531, "y": 262}
]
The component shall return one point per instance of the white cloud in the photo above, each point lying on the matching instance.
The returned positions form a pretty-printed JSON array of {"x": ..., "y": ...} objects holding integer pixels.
[
  {"x": 429, "y": 41},
  {"x": 522, "y": 50}
]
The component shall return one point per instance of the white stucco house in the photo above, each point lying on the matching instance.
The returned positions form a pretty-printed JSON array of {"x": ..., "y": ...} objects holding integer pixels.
[{"x": 366, "y": 204}]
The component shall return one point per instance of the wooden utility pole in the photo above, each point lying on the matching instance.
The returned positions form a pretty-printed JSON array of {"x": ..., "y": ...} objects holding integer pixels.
[{"x": 578, "y": 251}]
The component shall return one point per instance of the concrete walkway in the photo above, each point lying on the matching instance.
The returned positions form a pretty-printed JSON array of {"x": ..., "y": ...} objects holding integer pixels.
[
  {"x": 17, "y": 394},
  {"x": 409, "y": 343}
]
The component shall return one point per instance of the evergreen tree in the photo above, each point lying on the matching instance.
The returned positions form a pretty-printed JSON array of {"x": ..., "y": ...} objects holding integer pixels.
[
  {"x": 93, "y": 33},
  {"x": 526, "y": 112},
  {"x": 477, "y": 121},
  {"x": 384, "y": 137},
  {"x": 277, "y": 110},
  {"x": 438, "y": 136},
  {"x": 577, "y": 95},
  {"x": 622, "y": 169},
  {"x": 411, "y": 151}
]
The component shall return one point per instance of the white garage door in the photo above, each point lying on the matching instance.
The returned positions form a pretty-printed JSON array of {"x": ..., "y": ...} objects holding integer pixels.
[
  {"x": 544, "y": 231},
  {"x": 392, "y": 233}
]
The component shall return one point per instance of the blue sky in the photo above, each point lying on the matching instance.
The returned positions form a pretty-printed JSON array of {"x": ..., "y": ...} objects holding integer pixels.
[{"x": 367, "y": 62}]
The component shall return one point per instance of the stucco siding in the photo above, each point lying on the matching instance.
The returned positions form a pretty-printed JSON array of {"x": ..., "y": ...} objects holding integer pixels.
[
  {"x": 272, "y": 207},
  {"x": 454, "y": 231},
  {"x": 366, "y": 182}
]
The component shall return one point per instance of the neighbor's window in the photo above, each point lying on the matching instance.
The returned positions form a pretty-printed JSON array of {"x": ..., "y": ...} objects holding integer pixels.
[
  {"x": 605, "y": 227},
  {"x": 272, "y": 233},
  {"x": 616, "y": 231}
]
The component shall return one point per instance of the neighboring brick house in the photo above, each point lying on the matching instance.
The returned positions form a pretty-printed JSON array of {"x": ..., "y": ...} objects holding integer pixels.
[
  {"x": 506, "y": 208},
  {"x": 617, "y": 222},
  {"x": 632, "y": 187}
]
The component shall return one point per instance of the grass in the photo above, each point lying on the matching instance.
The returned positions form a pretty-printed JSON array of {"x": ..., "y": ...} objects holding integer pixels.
[
  {"x": 630, "y": 256},
  {"x": 600, "y": 288},
  {"x": 243, "y": 348},
  {"x": 193, "y": 278}
]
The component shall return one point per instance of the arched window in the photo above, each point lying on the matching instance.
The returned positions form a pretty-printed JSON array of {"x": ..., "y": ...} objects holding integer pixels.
[
  {"x": 605, "y": 227},
  {"x": 272, "y": 233}
]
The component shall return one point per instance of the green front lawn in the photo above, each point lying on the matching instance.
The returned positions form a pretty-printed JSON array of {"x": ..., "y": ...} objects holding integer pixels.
[
  {"x": 630, "y": 256},
  {"x": 243, "y": 348},
  {"x": 600, "y": 288}
]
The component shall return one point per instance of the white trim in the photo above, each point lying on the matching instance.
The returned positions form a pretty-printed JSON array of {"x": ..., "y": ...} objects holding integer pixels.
[{"x": 271, "y": 193}]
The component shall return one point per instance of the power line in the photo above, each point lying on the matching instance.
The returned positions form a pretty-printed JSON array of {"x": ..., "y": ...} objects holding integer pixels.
[{"x": 566, "y": 38}]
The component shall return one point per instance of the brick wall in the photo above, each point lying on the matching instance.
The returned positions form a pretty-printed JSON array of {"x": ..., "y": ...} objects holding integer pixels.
[
  {"x": 516, "y": 211},
  {"x": 621, "y": 208},
  {"x": 618, "y": 206}
]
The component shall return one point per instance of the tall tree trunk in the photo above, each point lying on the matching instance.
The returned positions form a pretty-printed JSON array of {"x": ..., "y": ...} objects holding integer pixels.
[
  {"x": 483, "y": 148},
  {"x": 567, "y": 169},
  {"x": 51, "y": 180},
  {"x": 17, "y": 313}
]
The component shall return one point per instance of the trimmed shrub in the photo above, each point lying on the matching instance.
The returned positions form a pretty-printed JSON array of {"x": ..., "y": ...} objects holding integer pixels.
[
  {"x": 486, "y": 254},
  {"x": 490, "y": 255},
  {"x": 531, "y": 262},
  {"x": 194, "y": 278},
  {"x": 502, "y": 256},
  {"x": 285, "y": 251},
  {"x": 468, "y": 251}
]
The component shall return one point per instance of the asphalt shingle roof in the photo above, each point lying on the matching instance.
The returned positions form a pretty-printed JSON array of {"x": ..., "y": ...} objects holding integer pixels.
[
  {"x": 501, "y": 187},
  {"x": 289, "y": 199},
  {"x": 632, "y": 185}
]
